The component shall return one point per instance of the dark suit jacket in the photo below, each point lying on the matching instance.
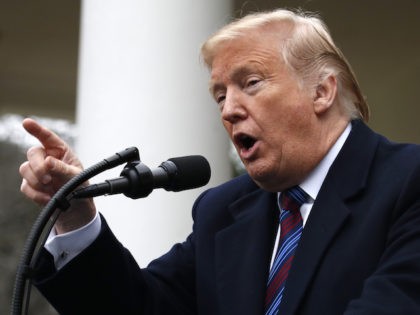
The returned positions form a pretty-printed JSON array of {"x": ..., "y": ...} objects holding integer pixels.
[{"x": 359, "y": 252}]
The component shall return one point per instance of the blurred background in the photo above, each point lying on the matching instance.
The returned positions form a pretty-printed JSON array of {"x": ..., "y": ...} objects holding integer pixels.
[{"x": 39, "y": 64}]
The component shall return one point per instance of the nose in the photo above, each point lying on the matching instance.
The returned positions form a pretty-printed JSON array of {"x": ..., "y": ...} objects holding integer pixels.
[{"x": 233, "y": 109}]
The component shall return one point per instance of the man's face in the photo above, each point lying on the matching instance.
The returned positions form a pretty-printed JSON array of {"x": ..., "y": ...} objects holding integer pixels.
[{"x": 268, "y": 116}]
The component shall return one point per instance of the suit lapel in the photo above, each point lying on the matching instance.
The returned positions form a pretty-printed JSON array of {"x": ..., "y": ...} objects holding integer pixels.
[
  {"x": 327, "y": 217},
  {"x": 243, "y": 252},
  {"x": 345, "y": 179}
]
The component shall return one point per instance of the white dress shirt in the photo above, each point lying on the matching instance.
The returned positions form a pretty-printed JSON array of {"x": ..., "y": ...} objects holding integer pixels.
[
  {"x": 312, "y": 184},
  {"x": 66, "y": 246}
]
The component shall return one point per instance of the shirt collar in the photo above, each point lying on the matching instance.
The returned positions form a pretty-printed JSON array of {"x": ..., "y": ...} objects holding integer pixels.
[{"x": 312, "y": 184}]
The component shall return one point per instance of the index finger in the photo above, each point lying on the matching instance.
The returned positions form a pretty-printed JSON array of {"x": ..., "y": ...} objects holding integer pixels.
[{"x": 48, "y": 139}]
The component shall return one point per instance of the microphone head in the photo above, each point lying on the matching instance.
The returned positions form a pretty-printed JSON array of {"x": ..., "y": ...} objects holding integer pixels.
[{"x": 189, "y": 172}]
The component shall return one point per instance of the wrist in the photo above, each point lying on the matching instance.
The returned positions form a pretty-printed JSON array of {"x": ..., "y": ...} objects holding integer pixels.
[{"x": 81, "y": 213}]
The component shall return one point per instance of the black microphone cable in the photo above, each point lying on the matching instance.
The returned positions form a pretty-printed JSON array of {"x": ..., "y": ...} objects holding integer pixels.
[
  {"x": 45, "y": 221},
  {"x": 136, "y": 181}
]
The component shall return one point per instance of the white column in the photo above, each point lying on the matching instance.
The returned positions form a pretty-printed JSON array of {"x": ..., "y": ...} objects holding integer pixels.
[{"x": 141, "y": 83}]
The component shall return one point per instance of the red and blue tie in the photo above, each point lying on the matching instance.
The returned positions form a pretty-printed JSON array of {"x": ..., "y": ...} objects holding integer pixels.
[{"x": 290, "y": 231}]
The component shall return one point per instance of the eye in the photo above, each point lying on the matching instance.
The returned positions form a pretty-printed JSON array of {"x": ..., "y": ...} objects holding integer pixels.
[
  {"x": 219, "y": 97},
  {"x": 252, "y": 82}
]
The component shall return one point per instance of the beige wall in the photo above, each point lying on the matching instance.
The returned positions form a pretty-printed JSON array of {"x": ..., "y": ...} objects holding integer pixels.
[
  {"x": 38, "y": 57},
  {"x": 381, "y": 39}
]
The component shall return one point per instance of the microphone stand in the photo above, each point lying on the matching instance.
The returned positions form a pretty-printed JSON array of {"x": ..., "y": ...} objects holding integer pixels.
[{"x": 45, "y": 221}]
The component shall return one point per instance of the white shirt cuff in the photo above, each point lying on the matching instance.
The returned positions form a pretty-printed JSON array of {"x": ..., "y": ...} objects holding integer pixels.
[{"x": 65, "y": 247}]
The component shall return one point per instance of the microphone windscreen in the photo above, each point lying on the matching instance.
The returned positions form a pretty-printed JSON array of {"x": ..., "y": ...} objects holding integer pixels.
[{"x": 192, "y": 171}]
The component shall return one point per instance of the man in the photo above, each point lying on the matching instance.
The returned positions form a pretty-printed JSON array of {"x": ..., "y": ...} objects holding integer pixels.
[{"x": 294, "y": 111}]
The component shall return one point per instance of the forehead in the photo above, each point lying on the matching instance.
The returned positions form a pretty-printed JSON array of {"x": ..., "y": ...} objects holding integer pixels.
[{"x": 254, "y": 50}]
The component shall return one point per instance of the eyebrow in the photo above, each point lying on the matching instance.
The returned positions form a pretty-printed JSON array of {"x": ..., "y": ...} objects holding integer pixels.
[
  {"x": 237, "y": 73},
  {"x": 213, "y": 87}
]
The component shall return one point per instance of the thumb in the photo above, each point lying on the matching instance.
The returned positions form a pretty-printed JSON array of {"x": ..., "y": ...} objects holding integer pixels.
[{"x": 60, "y": 169}]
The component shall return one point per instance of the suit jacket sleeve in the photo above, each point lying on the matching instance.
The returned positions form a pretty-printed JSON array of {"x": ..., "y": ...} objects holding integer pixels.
[{"x": 105, "y": 279}]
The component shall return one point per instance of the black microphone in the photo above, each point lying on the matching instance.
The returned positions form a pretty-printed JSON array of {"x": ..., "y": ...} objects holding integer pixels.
[{"x": 137, "y": 180}]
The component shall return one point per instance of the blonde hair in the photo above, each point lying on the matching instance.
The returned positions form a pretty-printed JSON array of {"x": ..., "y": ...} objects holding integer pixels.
[{"x": 308, "y": 51}]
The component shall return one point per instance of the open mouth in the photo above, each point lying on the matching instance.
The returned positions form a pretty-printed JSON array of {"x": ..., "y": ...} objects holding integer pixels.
[{"x": 244, "y": 141}]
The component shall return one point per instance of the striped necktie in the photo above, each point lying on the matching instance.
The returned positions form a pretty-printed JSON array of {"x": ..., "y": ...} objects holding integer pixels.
[{"x": 290, "y": 231}]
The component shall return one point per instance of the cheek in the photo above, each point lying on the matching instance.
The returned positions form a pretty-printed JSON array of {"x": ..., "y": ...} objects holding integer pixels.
[
  {"x": 228, "y": 127},
  {"x": 286, "y": 133}
]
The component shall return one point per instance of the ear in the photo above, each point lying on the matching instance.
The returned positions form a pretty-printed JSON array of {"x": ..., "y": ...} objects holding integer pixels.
[{"x": 325, "y": 94}]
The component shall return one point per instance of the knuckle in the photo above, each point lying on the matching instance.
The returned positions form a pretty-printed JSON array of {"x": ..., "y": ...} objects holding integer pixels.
[
  {"x": 23, "y": 186},
  {"x": 23, "y": 168},
  {"x": 34, "y": 195},
  {"x": 32, "y": 151},
  {"x": 52, "y": 165}
]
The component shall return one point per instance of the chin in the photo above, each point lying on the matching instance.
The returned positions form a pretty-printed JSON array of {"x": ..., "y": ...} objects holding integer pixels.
[
  {"x": 272, "y": 180},
  {"x": 266, "y": 180}
]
